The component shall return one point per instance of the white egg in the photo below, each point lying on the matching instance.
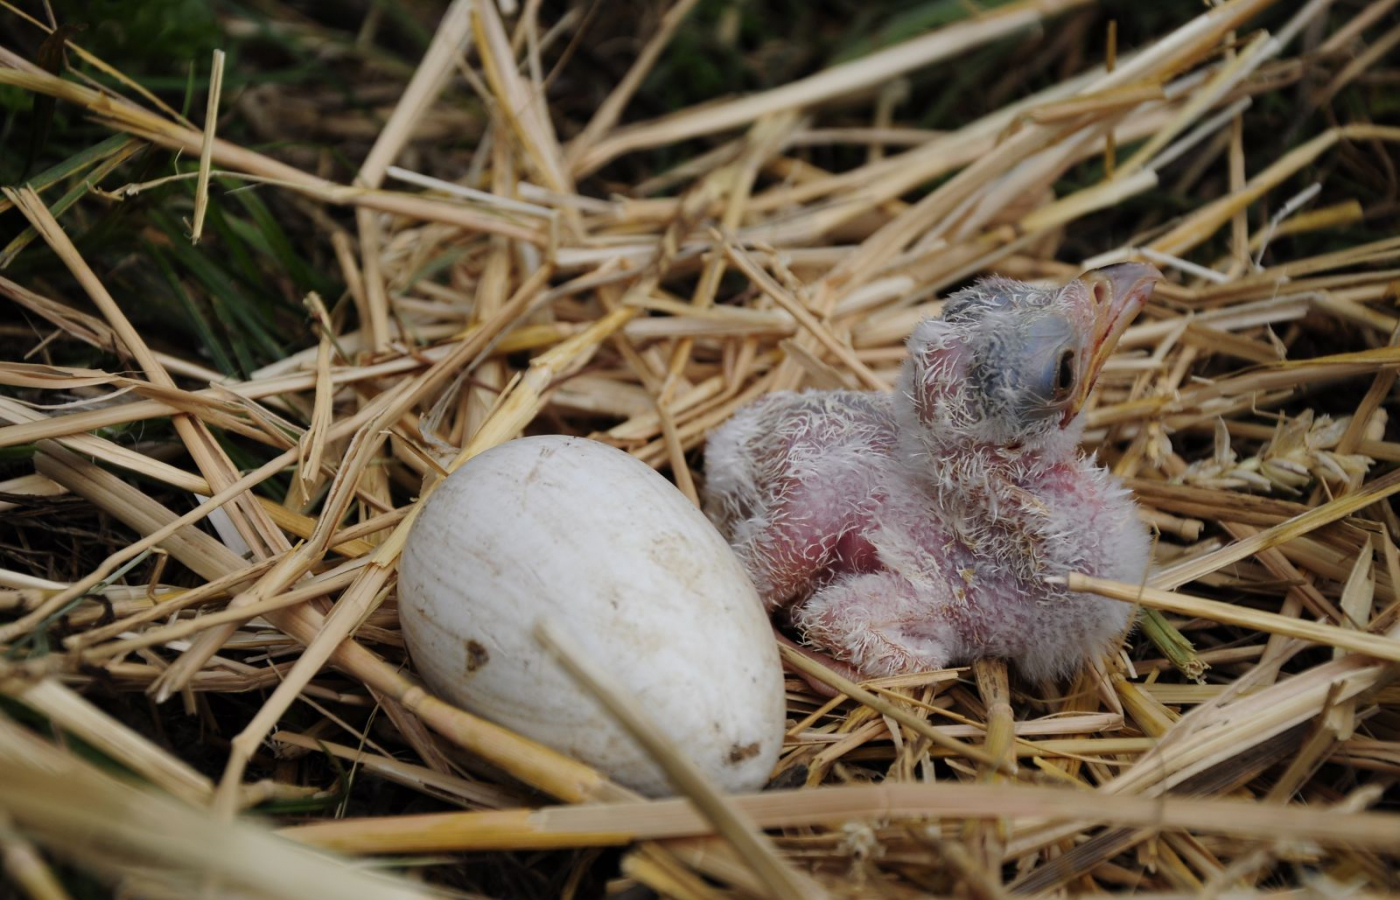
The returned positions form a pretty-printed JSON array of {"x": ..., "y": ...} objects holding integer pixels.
[{"x": 594, "y": 541}]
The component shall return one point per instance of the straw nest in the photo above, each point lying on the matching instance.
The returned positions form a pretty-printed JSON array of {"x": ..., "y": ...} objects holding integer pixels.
[{"x": 1242, "y": 741}]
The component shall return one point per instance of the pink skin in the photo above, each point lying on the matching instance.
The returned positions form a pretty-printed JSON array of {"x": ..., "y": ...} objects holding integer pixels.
[{"x": 915, "y": 530}]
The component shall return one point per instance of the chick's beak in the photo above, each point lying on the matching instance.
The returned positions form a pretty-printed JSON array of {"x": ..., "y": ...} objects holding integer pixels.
[{"x": 1117, "y": 293}]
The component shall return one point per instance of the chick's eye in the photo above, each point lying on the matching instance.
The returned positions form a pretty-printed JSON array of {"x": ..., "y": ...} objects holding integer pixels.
[
  {"x": 1041, "y": 366},
  {"x": 1064, "y": 374}
]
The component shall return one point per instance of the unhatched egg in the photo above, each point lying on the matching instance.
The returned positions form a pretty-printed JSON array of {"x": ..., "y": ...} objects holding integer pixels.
[{"x": 593, "y": 540}]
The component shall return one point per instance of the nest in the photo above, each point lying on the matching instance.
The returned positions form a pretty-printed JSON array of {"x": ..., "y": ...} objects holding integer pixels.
[{"x": 226, "y": 546}]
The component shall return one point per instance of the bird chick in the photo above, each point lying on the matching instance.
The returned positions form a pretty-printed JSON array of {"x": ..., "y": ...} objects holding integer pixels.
[{"x": 914, "y": 530}]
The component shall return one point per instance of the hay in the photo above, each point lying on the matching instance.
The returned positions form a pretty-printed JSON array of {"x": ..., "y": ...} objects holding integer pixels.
[{"x": 1240, "y": 742}]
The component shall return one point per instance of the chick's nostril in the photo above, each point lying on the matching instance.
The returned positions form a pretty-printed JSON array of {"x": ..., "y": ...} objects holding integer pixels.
[{"x": 1123, "y": 282}]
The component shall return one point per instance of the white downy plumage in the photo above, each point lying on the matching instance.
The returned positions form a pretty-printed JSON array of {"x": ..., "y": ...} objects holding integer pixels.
[{"x": 915, "y": 530}]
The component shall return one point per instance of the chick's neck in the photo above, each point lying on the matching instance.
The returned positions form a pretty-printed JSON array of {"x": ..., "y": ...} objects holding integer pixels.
[{"x": 975, "y": 481}]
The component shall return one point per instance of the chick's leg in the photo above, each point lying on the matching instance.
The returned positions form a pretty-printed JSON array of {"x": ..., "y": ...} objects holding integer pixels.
[
  {"x": 877, "y": 623},
  {"x": 791, "y": 480},
  {"x": 782, "y": 555},
  {"x": 807, "y": 531},
  {"x": 758, "y": 501}
]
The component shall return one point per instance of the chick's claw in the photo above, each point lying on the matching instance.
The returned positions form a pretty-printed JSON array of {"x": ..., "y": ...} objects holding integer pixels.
[{"x": 914, "y": 530}]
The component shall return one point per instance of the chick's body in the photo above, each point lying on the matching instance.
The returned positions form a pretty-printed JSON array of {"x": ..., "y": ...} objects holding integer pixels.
[
  {"x": 876, "y": 569},
  {"x": 914, "y": 530}
]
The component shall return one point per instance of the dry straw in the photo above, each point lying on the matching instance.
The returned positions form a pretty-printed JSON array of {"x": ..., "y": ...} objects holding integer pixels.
[{"x": 1238, "y": 744}]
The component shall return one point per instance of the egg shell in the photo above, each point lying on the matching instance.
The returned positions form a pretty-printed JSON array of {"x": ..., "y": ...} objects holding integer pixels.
[{"x": 586, "y": 536}]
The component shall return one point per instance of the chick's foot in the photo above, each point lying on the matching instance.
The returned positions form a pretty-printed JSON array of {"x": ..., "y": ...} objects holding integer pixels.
[{"x": 878, "y": 624}]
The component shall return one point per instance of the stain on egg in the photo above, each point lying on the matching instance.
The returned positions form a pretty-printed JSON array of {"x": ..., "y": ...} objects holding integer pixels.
[{"x": 477, "y": 656}]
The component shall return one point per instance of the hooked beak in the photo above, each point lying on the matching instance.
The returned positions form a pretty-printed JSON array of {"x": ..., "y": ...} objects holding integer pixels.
[{"x": 1117, "y": 293}]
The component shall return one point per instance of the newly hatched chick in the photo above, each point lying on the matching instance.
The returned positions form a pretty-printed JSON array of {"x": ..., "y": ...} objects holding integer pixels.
[{"x": 914, "y": 530}]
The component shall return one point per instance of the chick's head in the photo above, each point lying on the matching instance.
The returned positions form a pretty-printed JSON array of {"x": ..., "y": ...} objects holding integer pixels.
[{"x": 1009, "y": 365}]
